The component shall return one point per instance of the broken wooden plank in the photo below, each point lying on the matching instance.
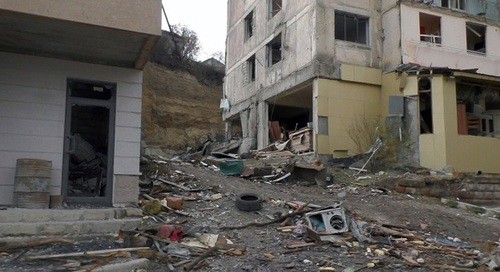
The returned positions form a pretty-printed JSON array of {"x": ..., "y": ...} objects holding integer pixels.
[
  {"x": 289, "y": 219},
  {"x": 261, "y": 224},
  {"x": 299, "y": 245},
  {"x": 35, "y": 243},
  {"x": 296, "y": 204},
  {"x": 175, "y": 184},
  {"x": 85, "y": 253}
]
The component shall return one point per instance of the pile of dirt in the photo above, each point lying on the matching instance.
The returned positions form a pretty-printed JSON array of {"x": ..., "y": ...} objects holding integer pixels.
[{"x": 177, "y": 110}]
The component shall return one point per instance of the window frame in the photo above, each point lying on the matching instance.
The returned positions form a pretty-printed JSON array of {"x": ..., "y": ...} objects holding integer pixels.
[
  {"x": 251, "y": 69},
  {"x": 428, "y": 37},
  {"x": 248, "y": 23},
  {"x": 357, "y": 18},
  {"x": 270, "y": 50},
  {"x": 455, "y": 5},
  {"x": 270, "y": 10},
  {"x": 471, "y": 24}
]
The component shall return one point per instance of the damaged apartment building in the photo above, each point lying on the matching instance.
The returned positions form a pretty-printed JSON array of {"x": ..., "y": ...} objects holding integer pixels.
[{"x": 429, "y": 68}]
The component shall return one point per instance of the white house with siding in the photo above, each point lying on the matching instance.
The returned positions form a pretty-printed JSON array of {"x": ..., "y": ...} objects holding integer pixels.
[{"x": 70, "y": 93}]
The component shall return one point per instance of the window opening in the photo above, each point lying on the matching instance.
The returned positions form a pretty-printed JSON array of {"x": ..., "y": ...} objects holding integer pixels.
[
  {"x": 274, "y": 51},
  {"x": 425, "y": 105},
  {"x": 476, "y": 37},
  {"x": 454, "y": 4},
  {"x": 274, "y": 7},
  {"x": 430, "y": 28},
  {"x": 249, "y": 26},
  {"x": 351, "y": 27},
  {"x": 251, "y": 69},
  {"x": 478, "y": 109},
  {"x": 82, "y": 89}
]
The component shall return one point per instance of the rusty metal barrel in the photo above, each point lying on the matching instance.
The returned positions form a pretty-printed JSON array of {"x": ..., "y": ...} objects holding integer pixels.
[{"x": 31, "y": 184}]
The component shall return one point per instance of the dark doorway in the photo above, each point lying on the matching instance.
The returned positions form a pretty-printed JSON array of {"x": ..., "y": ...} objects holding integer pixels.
[
  {"x": 425, "y": 105},
  {"x": 88, "y": 143}
]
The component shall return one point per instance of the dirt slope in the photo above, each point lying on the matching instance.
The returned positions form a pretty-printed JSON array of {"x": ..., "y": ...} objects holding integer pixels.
[{"x": 177, "y": 110}]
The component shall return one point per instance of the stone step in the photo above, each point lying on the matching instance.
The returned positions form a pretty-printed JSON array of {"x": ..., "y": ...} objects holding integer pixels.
[
  {"x": 483, "y": 187},
  {"x": 68, "y": 228},
  {"x": 486, "y": 180},
  {"x": 16, "y": 215}
]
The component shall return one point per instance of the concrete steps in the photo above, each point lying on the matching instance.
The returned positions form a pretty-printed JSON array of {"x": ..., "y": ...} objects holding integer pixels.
[
  {"x": 481, "y": 191},
  {"x": 67, "y": 222}
]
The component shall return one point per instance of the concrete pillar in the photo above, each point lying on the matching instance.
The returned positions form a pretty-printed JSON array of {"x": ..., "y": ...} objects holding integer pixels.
[
  {"x": 249, "y": 129},
  {"x": 229, "y": 130},
  {"x": 263, "y": 125}
]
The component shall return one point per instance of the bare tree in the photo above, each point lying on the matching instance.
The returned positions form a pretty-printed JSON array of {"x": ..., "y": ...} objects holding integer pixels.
[
  {"x": 190, "y": 48},
  {"x": 220, "y": 56}
]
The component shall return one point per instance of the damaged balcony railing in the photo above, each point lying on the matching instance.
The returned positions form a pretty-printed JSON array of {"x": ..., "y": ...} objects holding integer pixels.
[{"x": 430, "y": 38}]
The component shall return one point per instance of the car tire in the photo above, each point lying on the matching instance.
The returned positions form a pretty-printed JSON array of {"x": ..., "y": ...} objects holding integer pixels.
[{"x": 248, "y": 202}]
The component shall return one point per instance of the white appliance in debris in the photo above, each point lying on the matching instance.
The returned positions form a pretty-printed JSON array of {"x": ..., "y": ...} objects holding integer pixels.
[{"x": 328, "y": 221}]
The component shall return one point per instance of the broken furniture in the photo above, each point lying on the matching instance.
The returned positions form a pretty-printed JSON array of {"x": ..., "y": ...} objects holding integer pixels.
[
  {"x": 87, "y": 168},
  {"x": 474, "y": 123},
  {"x": 302, "y": 140}
]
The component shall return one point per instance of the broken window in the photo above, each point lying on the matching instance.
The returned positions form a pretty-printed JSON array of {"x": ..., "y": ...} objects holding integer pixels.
[
  {"x": 478, "y": 109},
  {"x": 476, "y": 37},
  {"x": 430, "y": 28},
  {"x": 454, "y": 4},
  {"x": 249, "y": 26},
  {"x": 274, "y": 6},
  {"x": 274, "y": 51},
  {"x": 251, "y": 69},
  {"x": 425, "y": 105},
  {"x": 351, "y": 27}
]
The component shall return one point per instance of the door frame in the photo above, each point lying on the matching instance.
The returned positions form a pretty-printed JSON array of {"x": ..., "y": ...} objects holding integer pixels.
[{"x": 111, "y": 105}]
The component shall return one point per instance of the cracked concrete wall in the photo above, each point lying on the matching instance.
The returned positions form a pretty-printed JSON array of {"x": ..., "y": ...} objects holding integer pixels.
[
  {"x": 452, "y": 52},
  {"x": 330, "y": 50},
  {"x": 391, "y": 34},
  {"x": 293, "y": 22},
  {"x": 309, "y": 50}
]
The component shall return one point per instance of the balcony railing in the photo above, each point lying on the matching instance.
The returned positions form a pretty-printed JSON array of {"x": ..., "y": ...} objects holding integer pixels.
[{"x": 430, "y": 38}]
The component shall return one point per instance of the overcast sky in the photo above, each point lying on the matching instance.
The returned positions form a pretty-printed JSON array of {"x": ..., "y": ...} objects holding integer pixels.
[{"x": 206, "y": 17}]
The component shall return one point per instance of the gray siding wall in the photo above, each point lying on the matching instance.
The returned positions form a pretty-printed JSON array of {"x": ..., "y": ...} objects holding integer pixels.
[{"x": 32, "y": 113}]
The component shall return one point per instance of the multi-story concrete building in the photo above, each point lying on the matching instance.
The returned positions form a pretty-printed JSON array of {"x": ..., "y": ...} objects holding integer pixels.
[
  {"x": 428, "y": 67},
  {"x": 70, "y": 93}
]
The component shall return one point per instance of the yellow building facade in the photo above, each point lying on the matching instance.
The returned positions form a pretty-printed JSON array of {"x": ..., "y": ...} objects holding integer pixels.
[{"x": 364, "y": 92}]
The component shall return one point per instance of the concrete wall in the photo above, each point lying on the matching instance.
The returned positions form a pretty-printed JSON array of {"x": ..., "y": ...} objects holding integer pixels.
[
  {"x": 344, "y": 103},
  {"x": 453, "y": 51},
  {"x": 32, "y": 113},
  {"x": 294, "y": 20},
  {"x": 144, "y": 17},
  {"x": 328, "y": 49},
  {"x": 309, "y": 47},
  {"x": 391, "y": 34}
]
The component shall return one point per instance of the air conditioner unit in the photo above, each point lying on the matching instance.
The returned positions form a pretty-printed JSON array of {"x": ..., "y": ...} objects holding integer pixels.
[{"x": 224, "y": 104}]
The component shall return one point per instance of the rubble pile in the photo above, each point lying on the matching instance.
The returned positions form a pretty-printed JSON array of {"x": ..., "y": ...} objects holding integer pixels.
[
  {"x": 198, "y": 214},
  {"x": 304, "y": 226}
]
